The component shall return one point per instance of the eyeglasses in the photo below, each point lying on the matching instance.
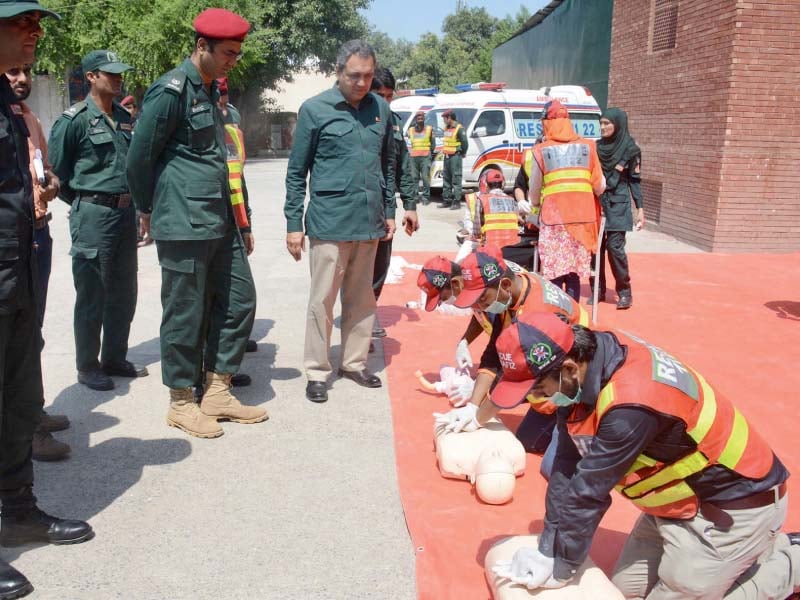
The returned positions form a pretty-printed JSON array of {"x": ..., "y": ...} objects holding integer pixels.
[
  {"x": 233, "y": 55},
  {"x": 28, "y": 20},
  {"x": 356, "y": 77}
]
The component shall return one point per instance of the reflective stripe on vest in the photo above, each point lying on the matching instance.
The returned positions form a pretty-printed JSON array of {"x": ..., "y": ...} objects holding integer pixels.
[
  {"x": 420, "y": 141},
  {"x": 527, "y": 163},
  {"x": 234, "y": 142},
  {"x": 499, "y": 227},
  {"x": 567, "y": 195},
  {"x": 653, "y": 379},
  {"x": 451, "y": 143}
]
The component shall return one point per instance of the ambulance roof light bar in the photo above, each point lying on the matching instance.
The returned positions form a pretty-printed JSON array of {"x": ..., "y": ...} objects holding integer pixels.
[
  {"x": 431, "y": 91},
  {"x": 482, "y": 86}
]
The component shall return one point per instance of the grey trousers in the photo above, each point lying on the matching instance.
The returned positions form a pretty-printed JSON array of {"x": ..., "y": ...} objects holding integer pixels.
[
  {"x": 335, "y": 267},
  {"x": 670, "y": 559}
]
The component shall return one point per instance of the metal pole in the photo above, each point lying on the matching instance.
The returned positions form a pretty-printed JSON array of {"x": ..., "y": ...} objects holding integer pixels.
[{"x": 596, "y": 290}]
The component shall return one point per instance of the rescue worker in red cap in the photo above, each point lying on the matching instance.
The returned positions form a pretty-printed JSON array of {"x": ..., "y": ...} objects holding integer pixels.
[
  {"x": 633, "y": 417},
  {"x": 497, "y": 294},
  {"x": 177, "y": 171},
  {"x": 423, "y": 145},
  {"x": 454, "y": 148}
]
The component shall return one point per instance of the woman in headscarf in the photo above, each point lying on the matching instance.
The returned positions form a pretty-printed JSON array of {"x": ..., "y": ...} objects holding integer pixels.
[
  {"x": 621, "y": 159},
  {"x": 566, "y": 178}
]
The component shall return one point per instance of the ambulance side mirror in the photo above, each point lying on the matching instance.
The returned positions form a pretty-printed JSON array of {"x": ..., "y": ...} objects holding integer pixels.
[{"x": 479, "y": 132}]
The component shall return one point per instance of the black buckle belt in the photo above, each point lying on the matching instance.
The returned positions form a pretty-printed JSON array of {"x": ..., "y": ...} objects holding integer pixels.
[
  {"x": 42, "y": 222},
  {"x": 109, "y": 200},
  {"x": 757, "y": 500}
]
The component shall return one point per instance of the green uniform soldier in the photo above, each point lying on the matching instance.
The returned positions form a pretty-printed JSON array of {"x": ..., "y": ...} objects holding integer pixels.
[
  {"x": 423, "y": 145},
  {"x": 454, "y": 147},
  {"x": 383, "y": 84},
  {"x": 177, "y": 173},
  {"x": 22, "y": 521},
  {"x": 88, "y": 148}
]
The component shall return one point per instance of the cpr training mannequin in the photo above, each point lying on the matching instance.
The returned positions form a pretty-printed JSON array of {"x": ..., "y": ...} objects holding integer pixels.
[
  {"x": 589, "y": 583},
  {"x": 452, "y": 382},
  {"x": 494, "y": 477}
]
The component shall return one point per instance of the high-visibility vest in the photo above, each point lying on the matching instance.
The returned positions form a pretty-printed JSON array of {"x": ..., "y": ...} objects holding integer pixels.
[
  {"x": 451, "y": 143},
  {"x": 567, "y": 194},
  {"x": 527, "y": 163},
  {"x": 234, "y": 142},
  {"x": 420, "y": 141},
  {"x": 653, "y": 379},
  {"x": 499, "y": 223}
]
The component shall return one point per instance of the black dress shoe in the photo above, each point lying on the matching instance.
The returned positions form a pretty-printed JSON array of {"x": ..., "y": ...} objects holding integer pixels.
[
  {"x": 96, "y": 380},
  {"x": 251, "y": 346},
  {"x": 624, "y": 302},
  {"x": 34, "y": 525},
  {"x": 241, "y": 380},
  {"x": 13, "y": 584},
  {"x": 124, "y": 368},
  {"x": 317, "y": 391},
  {"x": 364, "y": 378},
  {"x": 600, "y": 298},
  {"x": 378, "y": 332}
]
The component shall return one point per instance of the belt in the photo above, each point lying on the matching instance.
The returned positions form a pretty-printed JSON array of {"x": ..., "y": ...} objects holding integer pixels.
[
  {"x": 757, "y": 500},
  {"x": 109, "y": 200},
  {"x": 42, "y": 223}
]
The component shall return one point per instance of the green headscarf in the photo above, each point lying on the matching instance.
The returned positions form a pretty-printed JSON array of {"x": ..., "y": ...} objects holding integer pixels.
[{"x": 620, "y": 147}]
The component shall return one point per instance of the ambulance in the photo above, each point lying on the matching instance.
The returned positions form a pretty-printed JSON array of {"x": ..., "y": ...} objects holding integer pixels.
[
  {"x": 502, "y": 123},
  {"x": 407, "y": 103}
]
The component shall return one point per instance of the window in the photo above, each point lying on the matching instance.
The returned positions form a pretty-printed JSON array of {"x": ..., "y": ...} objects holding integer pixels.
[
  {"x": 434, "y": 119},
  {"x": 664, "y": 25},
  {"x": 490, "y": 122}
]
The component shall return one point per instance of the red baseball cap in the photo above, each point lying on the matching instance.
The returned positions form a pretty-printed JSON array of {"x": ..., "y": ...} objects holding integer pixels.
[
  {"x": 221, "y": 24},
  {"x": 555, "y": 110},
  {"x": 535, "y": 342},
  {"x": 480, "y": 270},
  {"x": 436, "y": 274}
]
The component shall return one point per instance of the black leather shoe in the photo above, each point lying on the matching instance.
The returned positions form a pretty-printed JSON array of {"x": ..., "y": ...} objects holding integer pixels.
[
  {"x": 251, "y": 346},
  {"x": 317, "y": 391},
  {"x": 600, "y": 298},
  {"x": 96, "y": 380},
  {"x": 364, "y": 378},
  {"x": 124, "y": 368},
  {"x": 794, "y": 538},
  {"x": 241, "y": 380},
  {"x": 378, "y": 332},
  {"x": 624, "y": 302},
  {"x": 34, "y": 525},
  {"x": 455, "y": 206},
  {"x": 13, "y": 584}
]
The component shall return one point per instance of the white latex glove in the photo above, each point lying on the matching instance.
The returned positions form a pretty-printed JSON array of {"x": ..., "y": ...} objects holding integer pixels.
[
  {"x": 524, "y": 207},
  {"x": 530, "y": 568},
  {"x": 459, "y": 419},
  {"x": 463, "y": 357},
  {"x": 461, "y": 393}
]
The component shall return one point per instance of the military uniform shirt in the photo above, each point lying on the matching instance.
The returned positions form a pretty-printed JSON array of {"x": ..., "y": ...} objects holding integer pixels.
[{"x": 88, "y": 152}]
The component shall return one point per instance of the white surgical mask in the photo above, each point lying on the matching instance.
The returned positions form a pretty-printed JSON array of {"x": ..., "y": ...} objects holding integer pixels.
[
  {"x": 497, "y": 307},
  {"x": 561, "y": 399}
]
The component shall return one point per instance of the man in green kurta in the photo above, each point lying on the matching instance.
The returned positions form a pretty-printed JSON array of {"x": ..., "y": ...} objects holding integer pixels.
[
  {"x": 454, "y": 148},
  {"x": 88, "y": 147},
  {"x": 344, "y": 145},
  {"x": 179, "y": 180}
]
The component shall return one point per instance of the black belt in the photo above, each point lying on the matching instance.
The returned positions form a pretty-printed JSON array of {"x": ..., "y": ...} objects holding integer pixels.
[
  {"x": 42, "y": 223},
  {"x": 109, "y": 200},
  {"x": 757, "y": 500}
]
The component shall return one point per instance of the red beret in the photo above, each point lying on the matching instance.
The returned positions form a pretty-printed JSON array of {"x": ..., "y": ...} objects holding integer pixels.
[{"x": 221, "y": 24}]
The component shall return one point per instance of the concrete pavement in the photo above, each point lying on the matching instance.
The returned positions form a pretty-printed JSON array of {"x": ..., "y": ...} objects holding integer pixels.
[{"x": 303, "y": 506}]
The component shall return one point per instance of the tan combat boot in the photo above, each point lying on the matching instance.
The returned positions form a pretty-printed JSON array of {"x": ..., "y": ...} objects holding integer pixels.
[
  {"x": 185, "y": 414},
  {"x": 220, "y": 403}
]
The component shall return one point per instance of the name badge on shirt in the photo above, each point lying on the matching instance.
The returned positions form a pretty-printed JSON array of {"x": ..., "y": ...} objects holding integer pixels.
[
  {"x": 96, "y": 130},
  {"x": 200, "y": 108},
  {"x": 125, "y": 127}
]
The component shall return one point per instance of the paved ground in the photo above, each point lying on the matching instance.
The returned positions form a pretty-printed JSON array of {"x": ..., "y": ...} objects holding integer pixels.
[{"x": 302, "y": 506}]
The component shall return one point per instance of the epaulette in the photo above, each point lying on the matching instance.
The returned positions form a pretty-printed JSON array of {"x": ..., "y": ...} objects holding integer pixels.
[
  {"x": 175, "y": 81},
  {"x": 73, "y": 110}
]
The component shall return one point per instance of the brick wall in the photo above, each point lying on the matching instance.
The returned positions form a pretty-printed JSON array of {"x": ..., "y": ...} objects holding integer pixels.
[{"x": 730, "y": 176}]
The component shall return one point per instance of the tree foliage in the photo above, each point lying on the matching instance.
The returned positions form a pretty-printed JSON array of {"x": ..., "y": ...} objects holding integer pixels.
[{"x": 463, "y": 53}]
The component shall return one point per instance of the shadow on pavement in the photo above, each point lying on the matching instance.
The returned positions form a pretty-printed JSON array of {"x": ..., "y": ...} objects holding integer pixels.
[{"x": 785, "y": 309}]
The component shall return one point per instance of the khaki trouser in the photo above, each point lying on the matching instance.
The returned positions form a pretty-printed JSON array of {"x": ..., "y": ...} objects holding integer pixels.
[
  {"x": 746, "y": 558},
  {"x": 347, "y": 266}
]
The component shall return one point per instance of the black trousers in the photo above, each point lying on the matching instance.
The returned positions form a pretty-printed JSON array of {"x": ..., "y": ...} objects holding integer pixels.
[
  {"x": 21, "y": 395},
  {"x": 382, "y": 259},
  {"x": 614, "y": 245}
]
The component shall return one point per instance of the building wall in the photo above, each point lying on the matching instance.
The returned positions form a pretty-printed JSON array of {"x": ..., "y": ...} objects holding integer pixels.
[
  {"x": 724, "y": 168},
  {"x": 569, "y": 47}
]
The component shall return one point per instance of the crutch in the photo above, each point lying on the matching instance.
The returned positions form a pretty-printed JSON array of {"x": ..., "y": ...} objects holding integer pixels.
[{"x": 596, "y": 290}]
